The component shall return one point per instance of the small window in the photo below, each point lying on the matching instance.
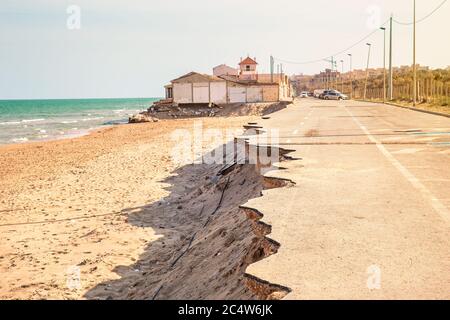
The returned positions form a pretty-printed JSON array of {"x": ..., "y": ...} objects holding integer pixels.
[
  {"x": 169, "y": 93},
  {"x": 247, "y": 68}
]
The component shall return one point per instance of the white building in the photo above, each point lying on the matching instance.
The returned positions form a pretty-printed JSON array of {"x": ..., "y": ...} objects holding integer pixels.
[
  {"x": 229, "y": 85},
  {"x": 199, "y": 88},
  {"x": 248, "y": 69}
]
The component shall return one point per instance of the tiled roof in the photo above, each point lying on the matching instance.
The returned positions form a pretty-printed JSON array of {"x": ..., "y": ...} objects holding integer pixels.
[
  {"x": 196, "y": 77},
  {"x": 248, "y": 60}
]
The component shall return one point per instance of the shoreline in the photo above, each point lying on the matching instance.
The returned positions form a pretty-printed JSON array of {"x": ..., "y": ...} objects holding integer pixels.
[
  {"x": 82, "y": 133},
  {"x": 41, "y": 120}
]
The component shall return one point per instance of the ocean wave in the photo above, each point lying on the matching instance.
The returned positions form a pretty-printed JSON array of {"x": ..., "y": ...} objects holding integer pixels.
[
  {"x": 126, "y": 111},
  {"x": 32, "y": 120},
  {"x": 92, "y": 119},
  {"x": 69, "y": 121},
  {"x": 10, "y": 123},
  {"x": 17, "y": 140},
  {"x": 20, "y": 121}
]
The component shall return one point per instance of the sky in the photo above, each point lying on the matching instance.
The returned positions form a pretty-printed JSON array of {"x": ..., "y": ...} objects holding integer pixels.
[{"x": 132, "y": 48}]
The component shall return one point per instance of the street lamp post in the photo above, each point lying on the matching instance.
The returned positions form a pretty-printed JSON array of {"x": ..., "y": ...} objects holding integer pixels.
[
  {"x": 391, "y": 75},
  {"x": 351, "y": 76},
  {"x": 367, "y": 70},
  {"x": 342, "y": 77},
  {"x": 336, "y": 74},
  {"x": 384, "y": 64}
]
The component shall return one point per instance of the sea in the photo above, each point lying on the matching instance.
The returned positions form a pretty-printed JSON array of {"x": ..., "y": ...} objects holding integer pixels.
[{"x": 39, "y": 120}]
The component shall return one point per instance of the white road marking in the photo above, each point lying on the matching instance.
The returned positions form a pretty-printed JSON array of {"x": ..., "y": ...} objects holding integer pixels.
[
  {"x": 440, "y": 208},
  {"x": 407, "y": 151}
]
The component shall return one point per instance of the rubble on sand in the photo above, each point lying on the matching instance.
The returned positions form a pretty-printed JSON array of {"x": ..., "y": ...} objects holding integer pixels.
[{"x": 142, "y": 117}]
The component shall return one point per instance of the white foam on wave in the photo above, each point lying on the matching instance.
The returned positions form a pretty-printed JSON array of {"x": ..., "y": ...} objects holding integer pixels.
[
  {"x": 10, "y": 123},
  {"x": 32, "y": 120},
  {"x": 126, "y": 111},
  {"x": 21, "y": 121},
  {"x": 18, "y": 140},
  {"x": 92, "y": 119}
]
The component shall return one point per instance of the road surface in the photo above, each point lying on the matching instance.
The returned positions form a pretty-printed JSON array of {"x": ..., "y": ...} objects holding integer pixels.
[{"x": 369, "y": 215}]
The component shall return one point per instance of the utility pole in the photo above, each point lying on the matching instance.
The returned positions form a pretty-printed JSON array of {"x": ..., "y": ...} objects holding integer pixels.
[
  {"x": 391, "y": 75},
  {"x": 384, "y": 64},
  {"x": 367, "y": 70},
  {"x": 330, "y": 74},
  {"x": 336, "y": 74},
  {"x": 330, "y": 84},
  {"x": 342, "y": 77},
  {"x": 414, "y": 57},
  {"x": 271, "y": 68},
  {"x": 351, "y": 75}
]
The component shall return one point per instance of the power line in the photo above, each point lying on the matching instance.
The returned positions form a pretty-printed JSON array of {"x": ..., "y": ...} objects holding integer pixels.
[
  {"x": 337, "y": 53},
  {"x": 363, "y": 39},
  {"x": 422, "y": 19}
]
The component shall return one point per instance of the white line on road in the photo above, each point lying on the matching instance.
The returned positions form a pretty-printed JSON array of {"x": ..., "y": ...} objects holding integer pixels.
[{"x": 440, "y": 208}]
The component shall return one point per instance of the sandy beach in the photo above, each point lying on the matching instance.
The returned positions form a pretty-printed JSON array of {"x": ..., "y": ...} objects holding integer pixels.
[{"x": 76, "y": 205}]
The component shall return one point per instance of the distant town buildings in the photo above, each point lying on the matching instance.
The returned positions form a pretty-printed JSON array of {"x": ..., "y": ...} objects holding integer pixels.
[
  {"x": 324, "y": 79},
  {"x": 229, "y": 85},
  {"x": 330, "y": 78}
]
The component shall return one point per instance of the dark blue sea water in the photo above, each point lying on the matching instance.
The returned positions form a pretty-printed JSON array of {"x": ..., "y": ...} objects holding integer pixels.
[{"x": 35, "y": 120}]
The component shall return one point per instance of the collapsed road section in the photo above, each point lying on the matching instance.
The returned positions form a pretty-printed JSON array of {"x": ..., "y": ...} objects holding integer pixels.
[{"x": 208, "y": 240}]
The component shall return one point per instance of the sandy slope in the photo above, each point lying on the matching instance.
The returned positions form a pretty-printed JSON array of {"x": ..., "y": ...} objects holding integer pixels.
[{"x": 67, "y": 203}]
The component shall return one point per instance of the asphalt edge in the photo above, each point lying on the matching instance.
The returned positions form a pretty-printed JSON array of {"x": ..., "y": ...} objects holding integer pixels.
[{"x": 405, "y": 107}]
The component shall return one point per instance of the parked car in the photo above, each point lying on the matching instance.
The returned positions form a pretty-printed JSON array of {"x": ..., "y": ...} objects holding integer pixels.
[
  {"x": 323, "y": 94},
  {"x": 334, "y": 95},
  {"x": 304, "y": 94}
]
